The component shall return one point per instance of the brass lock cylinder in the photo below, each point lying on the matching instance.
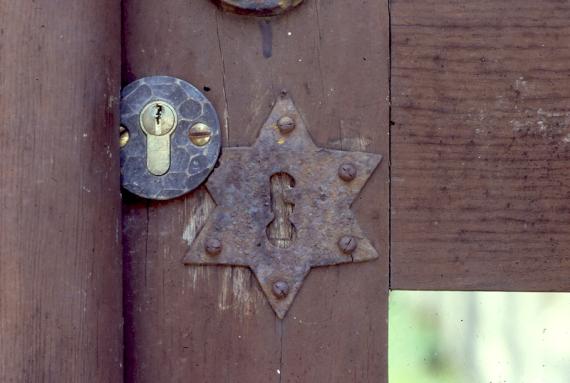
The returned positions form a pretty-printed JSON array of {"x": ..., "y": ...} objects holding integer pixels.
[{"x": 170, "y": 137}]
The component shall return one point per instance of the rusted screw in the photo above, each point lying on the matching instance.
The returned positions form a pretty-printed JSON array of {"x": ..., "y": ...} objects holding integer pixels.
[
  {"x": 280, "y": 289},
  {"x": 200, "y": 134},
  {"x": 123, "y": 136},
  {"x": 286, "y": 124},
  {"x": 213, "y": 246},
  {"x": 347, "y": 244},
  {"x": 347, "y": 172}
]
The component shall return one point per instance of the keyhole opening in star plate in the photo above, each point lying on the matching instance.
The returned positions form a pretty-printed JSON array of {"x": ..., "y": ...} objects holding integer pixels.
[{"x": 281, "y": 232}]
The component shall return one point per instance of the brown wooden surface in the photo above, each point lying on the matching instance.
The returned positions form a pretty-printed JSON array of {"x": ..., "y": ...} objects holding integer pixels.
[
  {"x": 481, "y": 144},
  {"x": 60, "y": 265},
  {"x": 213, "y": 324}
]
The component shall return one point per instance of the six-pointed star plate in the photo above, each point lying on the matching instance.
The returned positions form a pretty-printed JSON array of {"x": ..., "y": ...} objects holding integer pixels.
[{"x": 236, "y": 231}]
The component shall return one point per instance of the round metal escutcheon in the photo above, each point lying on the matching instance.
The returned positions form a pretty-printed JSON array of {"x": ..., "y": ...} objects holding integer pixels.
[
  {"x": 187, "y": 163},
  {"x": 258, "y": 7}
]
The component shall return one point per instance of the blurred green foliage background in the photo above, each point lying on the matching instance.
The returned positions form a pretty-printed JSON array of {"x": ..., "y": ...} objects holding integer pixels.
[{"x": 479, "y": 337}]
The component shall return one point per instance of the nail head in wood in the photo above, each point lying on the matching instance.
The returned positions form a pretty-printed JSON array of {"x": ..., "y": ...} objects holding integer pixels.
[
  {"x": 347, "y": 172},
  {"x": 347, "y": 244},
  {"x": 286, "y": 124},
  {"x": 280, "y": 289},
  {"x": 213, "y": 246}
]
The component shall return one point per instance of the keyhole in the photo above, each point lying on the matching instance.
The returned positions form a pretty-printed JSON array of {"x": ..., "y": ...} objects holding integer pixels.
[
  {"x": 157, "y": 118},
  {"x": 281, "y": 232}
]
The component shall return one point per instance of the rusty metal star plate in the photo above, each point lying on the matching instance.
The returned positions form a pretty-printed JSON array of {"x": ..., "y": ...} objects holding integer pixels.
[{"x": 313, "y": 205}]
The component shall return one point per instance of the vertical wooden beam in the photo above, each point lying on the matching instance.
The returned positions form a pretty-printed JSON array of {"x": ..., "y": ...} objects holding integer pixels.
[{"x": 60, "y": 266}]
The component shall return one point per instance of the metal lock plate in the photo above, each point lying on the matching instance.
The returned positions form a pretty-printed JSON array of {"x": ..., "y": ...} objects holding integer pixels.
[
  {"x": 283, "y": 207},
  {"x": 170, "y": 137},
  {"x": 258, "y": 7}
]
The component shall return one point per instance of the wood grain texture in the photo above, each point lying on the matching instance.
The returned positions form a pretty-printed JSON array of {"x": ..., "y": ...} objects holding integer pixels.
[
  {"x": 281, "y": 232},
  {"x": 213, "y": 324},
  {"x": 481, "y": 144},
  {"x": 60, "y": 264}
]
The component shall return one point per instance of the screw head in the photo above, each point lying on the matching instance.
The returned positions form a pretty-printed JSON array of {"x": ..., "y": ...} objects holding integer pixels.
[
  {"x": 200, "y": 134},
  {"x": 286, "y": 124},
  {"x": 347, "y": 244},
  {"x": 123, "y": 136},
  {"x": 280, "y": 289},
  {"x": 213, "y": 246},
  {"x": 347, "y": 172}
]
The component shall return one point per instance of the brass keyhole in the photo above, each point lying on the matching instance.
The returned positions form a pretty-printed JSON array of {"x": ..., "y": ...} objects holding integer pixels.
[
  {"x": 158, "y": 113},
  {"x": 281, "y": 232},
  {"x": 158, "y": 121}
]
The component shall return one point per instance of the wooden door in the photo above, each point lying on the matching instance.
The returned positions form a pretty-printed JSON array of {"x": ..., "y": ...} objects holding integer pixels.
[
  {"x": 213, "y": 324},
  {"x": 466, "y": 101}
]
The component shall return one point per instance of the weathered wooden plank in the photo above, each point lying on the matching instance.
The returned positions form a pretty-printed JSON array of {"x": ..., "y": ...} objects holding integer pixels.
[
  {"x": 210, "y": 324},
  {"x": 60, "y": 262},
  {"x": 213, "y": 323},
  {"x": 481, "y": 143}
]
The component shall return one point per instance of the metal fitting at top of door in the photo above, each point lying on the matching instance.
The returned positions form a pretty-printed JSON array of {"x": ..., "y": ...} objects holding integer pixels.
[{"x": 258, "y": 7}]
